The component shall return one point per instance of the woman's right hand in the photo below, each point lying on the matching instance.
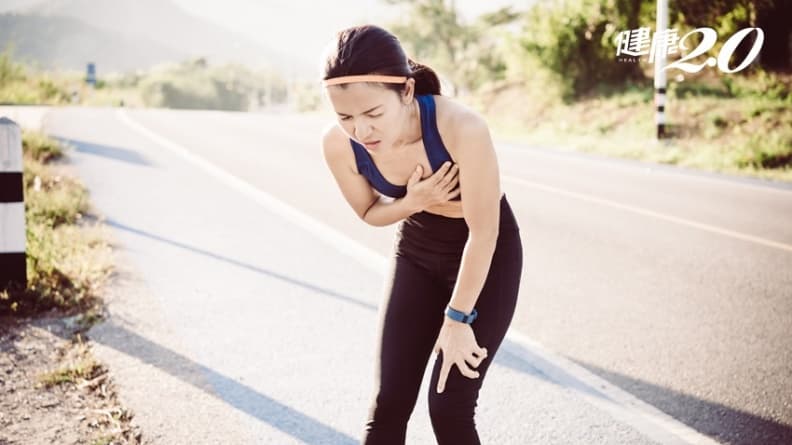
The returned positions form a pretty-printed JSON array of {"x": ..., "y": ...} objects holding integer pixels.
[{"x": 435, "y": 189}]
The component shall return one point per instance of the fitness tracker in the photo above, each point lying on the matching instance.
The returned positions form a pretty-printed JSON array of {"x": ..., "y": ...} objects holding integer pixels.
[{"x": 461, "y": 316}]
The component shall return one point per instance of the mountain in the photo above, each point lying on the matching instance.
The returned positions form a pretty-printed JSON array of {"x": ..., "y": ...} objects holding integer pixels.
[
  {"x": 123, "y": 34},
  {"x": 18, "y": 5},
  {"x": 62, "y": 42}
]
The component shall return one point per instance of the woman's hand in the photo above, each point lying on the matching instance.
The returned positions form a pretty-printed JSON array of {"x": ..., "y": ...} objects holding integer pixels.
[
  {"x": 434, "y": 189},
  {"x": 451, "y": 209},
  {"x": 459, "y": 347}
]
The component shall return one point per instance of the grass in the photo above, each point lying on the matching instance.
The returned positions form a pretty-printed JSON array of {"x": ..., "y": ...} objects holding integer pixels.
[
  {"x": 104, "y": 440},
  {"x": 84, "y": 369},
  {"x": 19, "y": 86},
  {"x": 709, "y": 128},
  {"x": 68, "y": 257}
]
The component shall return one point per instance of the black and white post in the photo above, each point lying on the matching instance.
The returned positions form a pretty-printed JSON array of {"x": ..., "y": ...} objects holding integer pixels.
[
  {"x": 659, "y": 71},
  {"x": 12, "y": 206}
]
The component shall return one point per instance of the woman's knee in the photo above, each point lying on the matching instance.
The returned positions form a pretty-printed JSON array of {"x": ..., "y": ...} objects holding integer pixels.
[
  {"x": 452, "y": 416},
  {"x": 387, "y": 419},
  {"x": 391, "y": 407},
  {"x": 452, "y": 405}
]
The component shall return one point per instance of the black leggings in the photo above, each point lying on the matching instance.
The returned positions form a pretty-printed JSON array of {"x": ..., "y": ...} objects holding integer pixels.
[{"x": 421, "y": 278}]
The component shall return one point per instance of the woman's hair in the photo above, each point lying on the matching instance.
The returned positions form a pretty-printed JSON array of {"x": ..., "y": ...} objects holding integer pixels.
[{"x": 369, "y": 49}]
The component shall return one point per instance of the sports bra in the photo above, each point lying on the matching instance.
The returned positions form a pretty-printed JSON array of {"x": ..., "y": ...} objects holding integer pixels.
[{"x": 435, "y": 151}]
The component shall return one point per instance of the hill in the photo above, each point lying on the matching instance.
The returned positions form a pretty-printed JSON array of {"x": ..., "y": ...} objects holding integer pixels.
[{"x": 122, "y": 35}]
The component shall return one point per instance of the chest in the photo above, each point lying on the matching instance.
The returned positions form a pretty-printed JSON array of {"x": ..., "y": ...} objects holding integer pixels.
[{"x": 396, "y": 168}]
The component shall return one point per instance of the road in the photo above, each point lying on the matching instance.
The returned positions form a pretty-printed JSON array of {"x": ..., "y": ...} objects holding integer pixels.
[{"x": 666, "y": 289}]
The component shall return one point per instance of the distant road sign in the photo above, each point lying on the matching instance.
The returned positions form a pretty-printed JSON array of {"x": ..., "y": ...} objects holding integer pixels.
[{"x": 90, "y": 74}]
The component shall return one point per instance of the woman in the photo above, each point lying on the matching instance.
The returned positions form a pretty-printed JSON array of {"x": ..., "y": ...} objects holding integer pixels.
[{"x": 453, "y": 281}]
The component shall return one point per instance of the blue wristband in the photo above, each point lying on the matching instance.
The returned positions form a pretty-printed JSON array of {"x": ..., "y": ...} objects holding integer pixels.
[{"x": 461, "y": 316}]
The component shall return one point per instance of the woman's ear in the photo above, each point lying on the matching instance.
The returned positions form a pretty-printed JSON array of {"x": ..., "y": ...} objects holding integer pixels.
[{"x": 409, "y": 91}]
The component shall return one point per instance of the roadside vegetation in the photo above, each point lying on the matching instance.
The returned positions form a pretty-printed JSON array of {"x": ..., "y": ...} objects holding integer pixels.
[
  {"x": 68, "y": 257},
  {"x": 190, "y": 84},
  {"x": 19, "y": 86},
  {"x": 742, "y": 127},
  {"x": 56, "y": 390},
  {"x": 549, "y": 76}
]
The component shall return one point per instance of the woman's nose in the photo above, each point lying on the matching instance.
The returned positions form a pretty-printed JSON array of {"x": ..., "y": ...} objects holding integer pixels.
[{"x": 362, "y": 130}]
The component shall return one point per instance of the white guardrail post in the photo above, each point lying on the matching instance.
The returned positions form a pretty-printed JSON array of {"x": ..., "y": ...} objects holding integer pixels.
[{"x": 12, "y": 206}]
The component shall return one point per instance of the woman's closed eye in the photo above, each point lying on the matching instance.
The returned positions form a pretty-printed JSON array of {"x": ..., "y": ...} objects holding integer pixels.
[{"x": 346, "y": 118}]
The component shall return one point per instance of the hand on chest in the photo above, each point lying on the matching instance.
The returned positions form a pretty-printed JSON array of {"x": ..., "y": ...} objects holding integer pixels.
[{"x": 397, "y": 168}]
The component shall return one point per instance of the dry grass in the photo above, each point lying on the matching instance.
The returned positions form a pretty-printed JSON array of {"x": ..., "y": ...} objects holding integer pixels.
[
  {"x": 749, "y": 135},
  {"x": 68, "y": 257}
]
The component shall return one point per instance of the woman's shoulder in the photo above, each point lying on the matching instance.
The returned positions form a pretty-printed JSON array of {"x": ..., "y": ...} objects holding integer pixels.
[
  {"x": 335, "y": 144},
  {"x": 455, "y": 119},
  {"x": 333, "y": 133}
]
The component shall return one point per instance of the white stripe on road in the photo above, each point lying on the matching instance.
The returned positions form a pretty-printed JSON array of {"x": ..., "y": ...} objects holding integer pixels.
[
  {"x": 697, "y": 175},
  {"x": 343, "y": 243},
  {"x": 621, "y": 405},
  {"x": 646, "y": 212}
]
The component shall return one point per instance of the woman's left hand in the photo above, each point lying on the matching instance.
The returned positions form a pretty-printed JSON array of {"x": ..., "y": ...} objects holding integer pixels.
[{"x": 459, "y": 347}]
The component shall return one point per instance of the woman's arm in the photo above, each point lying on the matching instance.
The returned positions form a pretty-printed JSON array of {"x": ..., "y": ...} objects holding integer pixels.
[
  {"x": 386, "y": 211},
  {"x": 479, "y": 176},
  {"x": 354, "y": 187},
  {"x": 369, "y": 205}
]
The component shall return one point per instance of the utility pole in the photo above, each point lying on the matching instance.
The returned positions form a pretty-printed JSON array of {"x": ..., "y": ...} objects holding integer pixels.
[{"x": 659, "y": 71}]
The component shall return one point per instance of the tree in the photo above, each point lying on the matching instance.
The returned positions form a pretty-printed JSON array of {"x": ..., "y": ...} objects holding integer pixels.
[
  {"x": 463, "y": 53},
  {"x": 729, "y": 16},
  {"x": 575, "y": 39}
]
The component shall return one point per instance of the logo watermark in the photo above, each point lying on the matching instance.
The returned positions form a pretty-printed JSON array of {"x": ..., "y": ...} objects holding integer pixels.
[{"x": 658, "y": 45}]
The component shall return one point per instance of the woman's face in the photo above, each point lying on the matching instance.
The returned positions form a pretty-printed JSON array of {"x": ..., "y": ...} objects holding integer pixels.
[{"x": 369, "y": 113}]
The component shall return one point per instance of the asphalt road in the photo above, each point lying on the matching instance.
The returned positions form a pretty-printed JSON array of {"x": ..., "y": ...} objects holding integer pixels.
[{"x": 672, "y": 286}]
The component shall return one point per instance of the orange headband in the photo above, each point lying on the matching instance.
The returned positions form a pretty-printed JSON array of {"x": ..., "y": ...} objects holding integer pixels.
[{"x": 364, "y": 78}]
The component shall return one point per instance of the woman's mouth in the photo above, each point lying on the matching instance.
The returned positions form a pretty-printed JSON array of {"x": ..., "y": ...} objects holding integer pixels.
[{"x": 372, "y": 144}]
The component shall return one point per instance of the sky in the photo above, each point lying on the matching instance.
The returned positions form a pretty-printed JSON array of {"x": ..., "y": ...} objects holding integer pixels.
[{"x": 269, "y": 21}]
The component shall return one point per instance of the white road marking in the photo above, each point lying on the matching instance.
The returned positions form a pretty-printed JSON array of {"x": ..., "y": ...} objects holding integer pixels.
[
  {"x": 343, "y": 243},
  {"x": 651, "y": 213},
  {"x": 621, "y": 405},
  {"x": 575, "y": 156}
]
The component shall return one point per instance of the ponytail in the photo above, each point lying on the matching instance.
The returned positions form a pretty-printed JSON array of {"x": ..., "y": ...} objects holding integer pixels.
[{"x": 426, "y": 80}]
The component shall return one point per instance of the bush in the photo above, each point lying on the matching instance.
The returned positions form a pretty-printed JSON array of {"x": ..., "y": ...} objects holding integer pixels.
[
  {"x": 66, "y": 260},
  {"x": 575, "y": 39},
  {"x": 9, "y": 70},
  {"x": 196, "y": 85},
  {"x": 40, "y": 147},
  {"x": 762, "y": 84}
]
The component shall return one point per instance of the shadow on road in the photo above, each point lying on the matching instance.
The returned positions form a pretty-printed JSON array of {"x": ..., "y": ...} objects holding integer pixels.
[
  {"x": 240, "y": 396},
  {"x": 724, "y": 424},
  {"x": 715, "y": 420},
  {"x": 106, "y": 151},
  {"x": 243, "y": 265}
]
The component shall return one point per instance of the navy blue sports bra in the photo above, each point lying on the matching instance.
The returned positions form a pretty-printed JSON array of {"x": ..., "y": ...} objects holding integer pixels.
[{"x": 435, "y": 151}]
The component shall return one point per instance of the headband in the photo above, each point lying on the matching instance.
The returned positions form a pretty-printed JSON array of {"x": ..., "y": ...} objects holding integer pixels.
[{"x": 364, "y": 78}]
